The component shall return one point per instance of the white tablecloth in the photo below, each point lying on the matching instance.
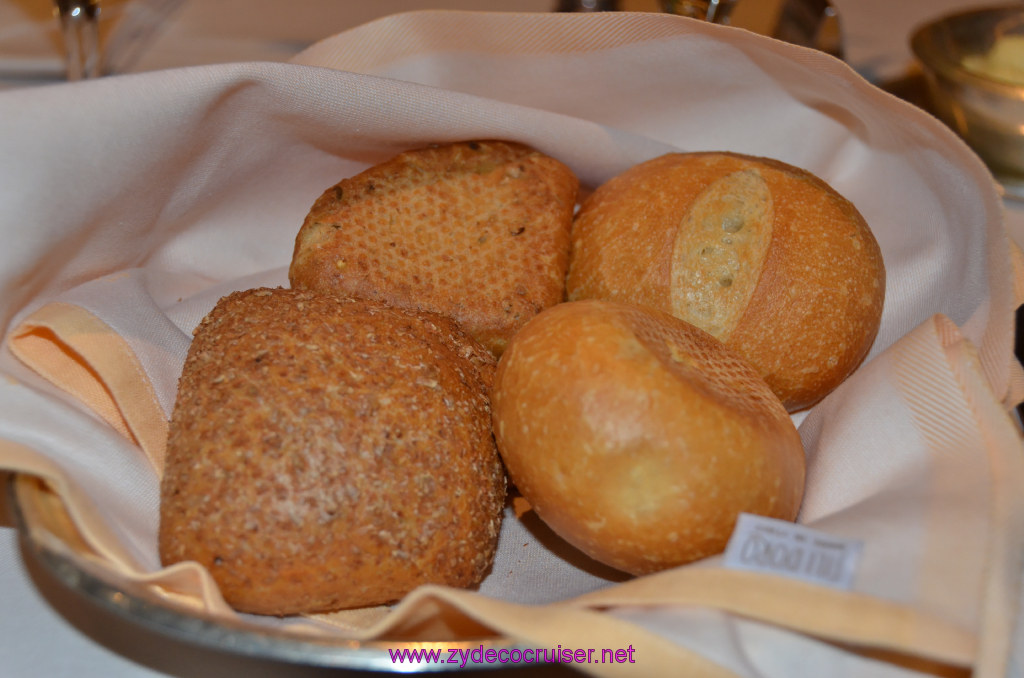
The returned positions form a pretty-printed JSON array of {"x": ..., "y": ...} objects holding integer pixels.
[{"x": 46, "y": 630}]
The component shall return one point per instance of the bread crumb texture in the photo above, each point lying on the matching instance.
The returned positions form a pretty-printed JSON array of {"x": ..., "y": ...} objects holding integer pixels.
[
  {"x": 638, "y": 437},
  {"x": 327, "y": 453},
  {"x": 764, "y": 256},
  {"x": 476, "y": 230}
]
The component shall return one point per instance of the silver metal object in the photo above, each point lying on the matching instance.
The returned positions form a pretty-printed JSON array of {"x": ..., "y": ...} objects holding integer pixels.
[
  {"x": 808, "y": 23},
  {"x": 714, "y": 11},
  {"x": 811, "y": 23},
  {"x": 987, "y": 112},
  {"x": 587, "y": 6}
]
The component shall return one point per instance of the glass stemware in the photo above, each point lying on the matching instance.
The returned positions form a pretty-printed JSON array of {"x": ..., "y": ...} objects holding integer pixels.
[{"x": 79, "y": 29}]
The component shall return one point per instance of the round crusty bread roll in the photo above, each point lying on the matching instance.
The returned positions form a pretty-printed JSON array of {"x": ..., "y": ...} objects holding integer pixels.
[
  {"x": 638, "y": 437},
  {"x": 762, "y": 255},
  {"x": 329, "y": 453}
]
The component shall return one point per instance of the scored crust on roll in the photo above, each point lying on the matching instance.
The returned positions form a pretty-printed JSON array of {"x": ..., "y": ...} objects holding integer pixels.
[
  {"x": 638, "y": 437},
  {"x": 328, "y": 453},
  {"x": 763, "y": 255},
  {"x": 476, "y": 230}
]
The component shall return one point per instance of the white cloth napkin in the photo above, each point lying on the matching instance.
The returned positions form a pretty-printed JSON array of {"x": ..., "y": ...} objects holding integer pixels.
[{"x": 197, "y": 180}]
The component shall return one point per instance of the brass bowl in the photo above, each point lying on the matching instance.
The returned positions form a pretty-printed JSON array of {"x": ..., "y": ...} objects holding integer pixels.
[{"x": 984, "y": 107}]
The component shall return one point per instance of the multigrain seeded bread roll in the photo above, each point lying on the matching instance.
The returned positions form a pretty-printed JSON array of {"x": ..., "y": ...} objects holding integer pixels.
[
  {"x": 330, "y": 453},
  {"x": 478, "y": 231},
  {"x": 638, "y": 437},
  {"x": 764, "y": 256}
]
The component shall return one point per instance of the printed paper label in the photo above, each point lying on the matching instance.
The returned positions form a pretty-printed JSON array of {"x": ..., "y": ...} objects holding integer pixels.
[{"x": 769, "y": 545}]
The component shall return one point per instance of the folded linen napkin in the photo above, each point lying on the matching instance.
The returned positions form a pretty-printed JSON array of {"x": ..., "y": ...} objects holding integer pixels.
[{"x": 207, "y": 172}]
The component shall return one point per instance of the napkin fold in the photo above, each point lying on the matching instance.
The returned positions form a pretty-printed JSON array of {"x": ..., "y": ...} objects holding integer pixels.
[
  {"x": 85, "y": 357},
  {"x": 209, "y": 172}
]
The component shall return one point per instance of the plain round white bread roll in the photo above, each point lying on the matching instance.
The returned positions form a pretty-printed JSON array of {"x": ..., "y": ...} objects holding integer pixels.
[{"x": 638, "y": 437}]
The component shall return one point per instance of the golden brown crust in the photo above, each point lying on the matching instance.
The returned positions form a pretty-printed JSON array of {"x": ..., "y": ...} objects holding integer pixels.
[
  {"x": 638, "y": 437},
  {"x": 477, "y": 230},
  {"x": 327, "y": 453},
  {"x": 764, "y": 255}
]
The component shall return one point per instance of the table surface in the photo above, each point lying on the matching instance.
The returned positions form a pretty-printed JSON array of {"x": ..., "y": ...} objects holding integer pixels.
[{"x": 46, "y": 630}]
